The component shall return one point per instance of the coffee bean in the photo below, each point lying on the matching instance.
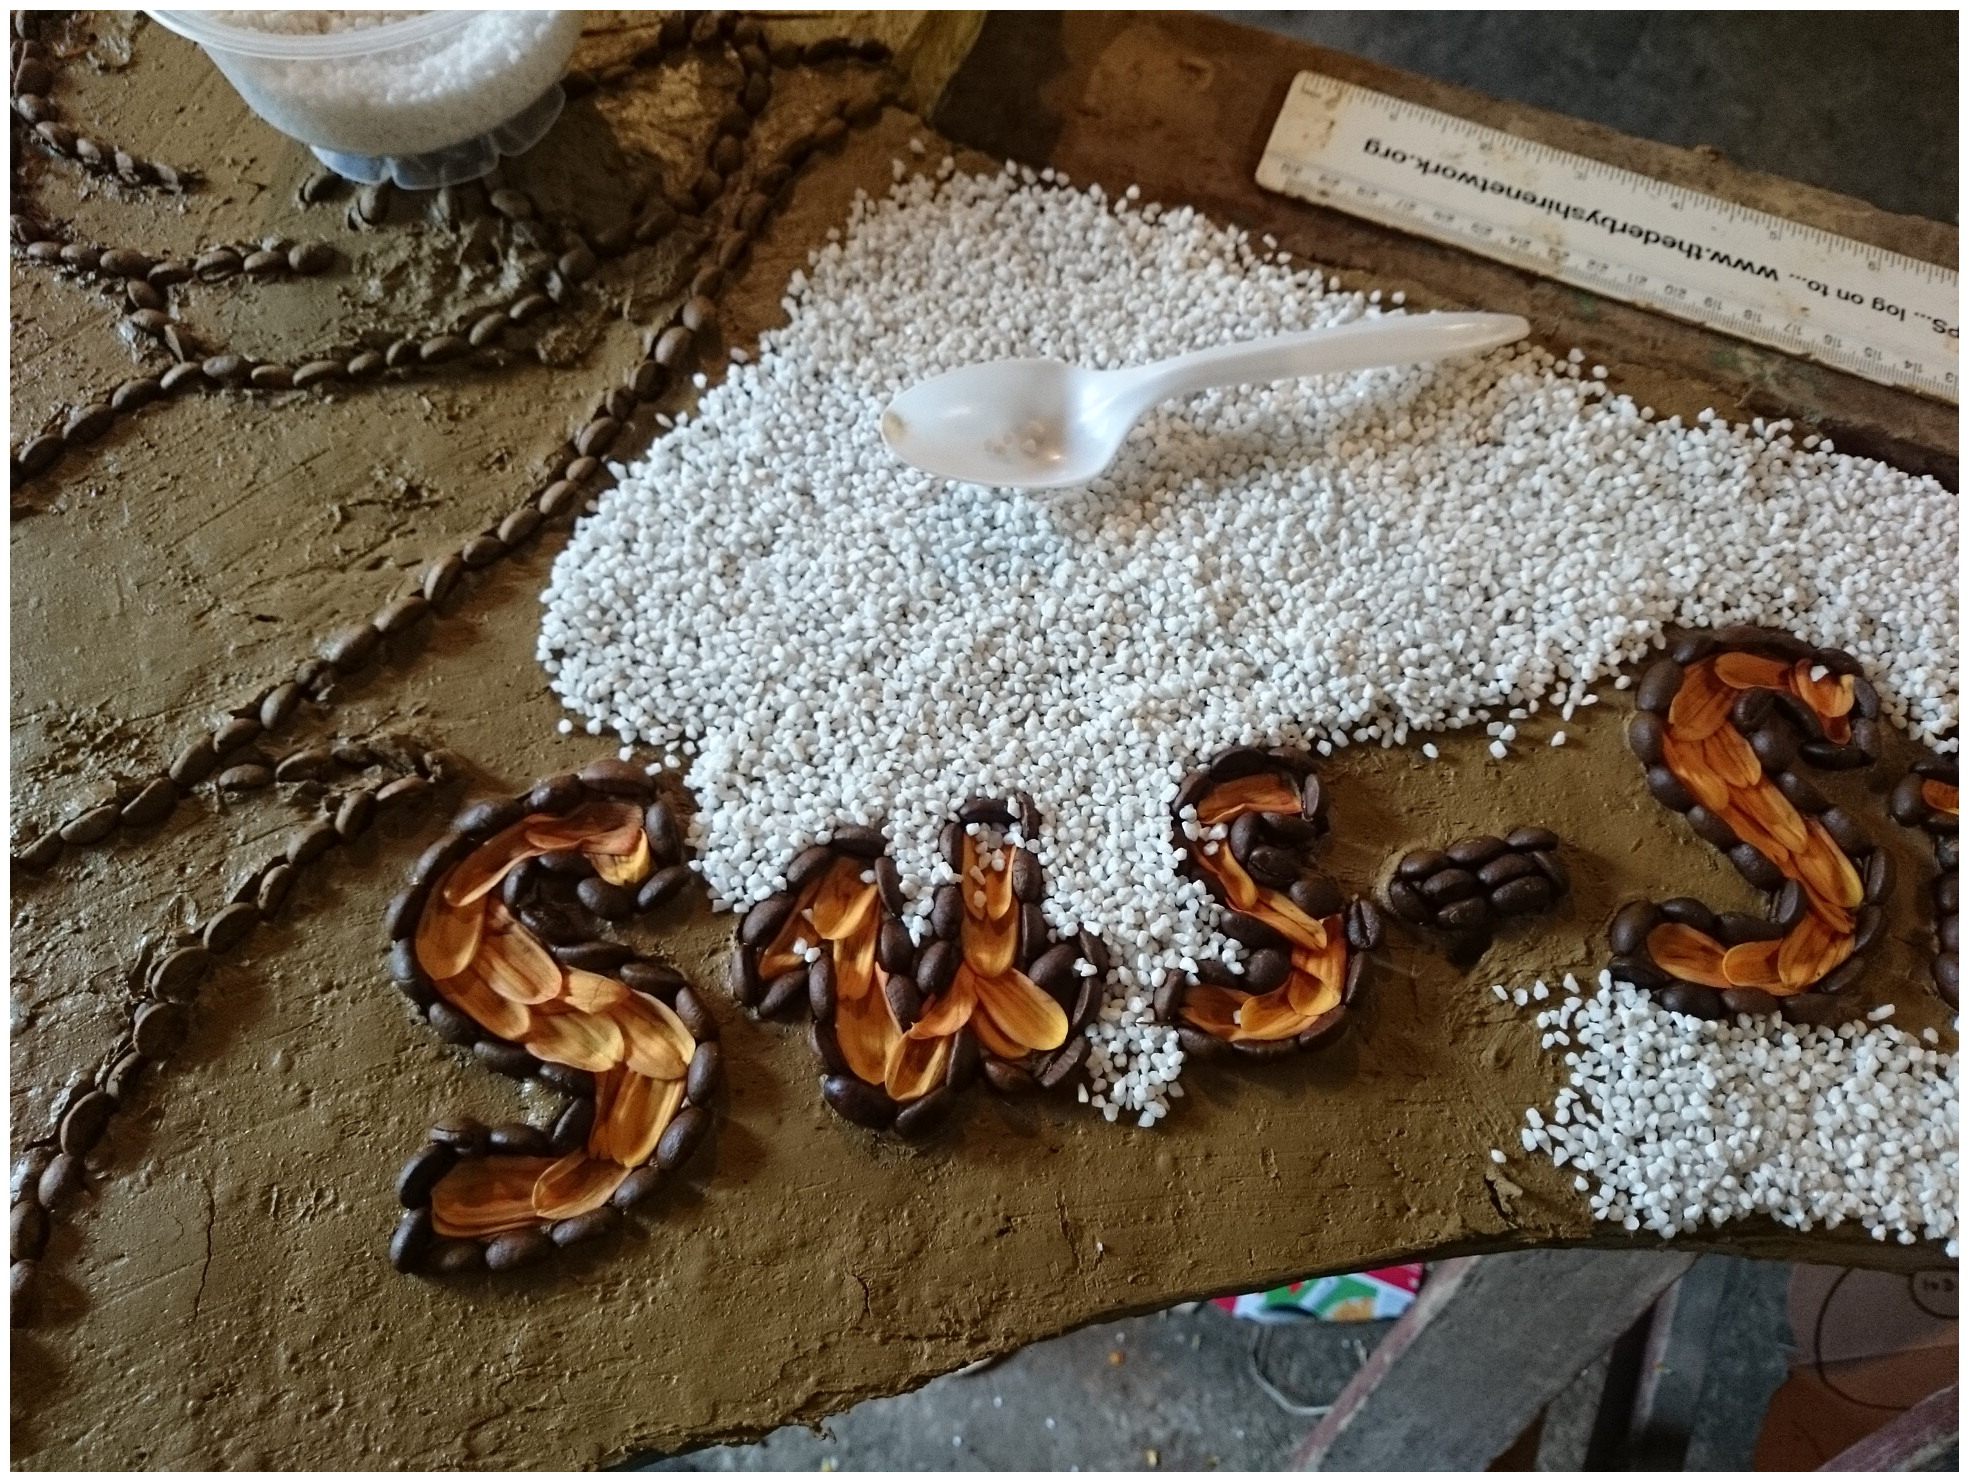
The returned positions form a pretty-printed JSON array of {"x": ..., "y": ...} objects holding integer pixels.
[
  {"x": 673, "y": 348},
  {"x": 122, "y": 1077},
  {"x": 857, "y": 1101},
  {"x": 1472, "y": 913},
  {"x": 153, "y": 804},
  {"x": 1522, "y": 896},
  {"x": 442, "y": 349},
  {"x": 247, "y": 778},
  {"x": 516, "y": 1249},
  {"x": 638, "y": 1186},
  {"x": 1756, "y": 870},
  {"x": 793, "y": 987},
  {"x": 365, "y": 365},
  {"x": 936, "y": 967},
  {"x": 58, "y": 1181},
  {"x": 1505, "y": 868},
  {"x": 756, "y": 93},
  {"x": 141, "y": 295},
  {"x": 313, "y": 841},
  {"x": 1317, "y": 896},
  {"x": 1946, "y": 967},
  {"x": 616, "y": 779},
  {"x": 1692, "y": 999},
  {"x": 27, "y": 1231},
  {"x": 922, "y": 1117},
  {"x": 697, "y": 1018},
  {"x": 352, "y": 647},
  {"x": 1689, "y": 912},
  {"x": 1475, "y": 852},
  {"x": 507, "y": 1060},
  {"x": 1845, "y": 831},
  {"x": 219, "y": 262},
  {"x": 487, "y": 328},
  {"x": 1659, "y": 686},
  {"x": 1840, "y": 979},
  {"x": 1408, "y": 903},
  {"x": 1553, "y": 868},
  {"x": 580, "y": 1228},
  {"x": 1753, "y": 1001},
  {"x": 1627, "y": 933},
  {"x": 681, "y": 1138},
  {"x": 1266, "y": 970},
  {"x": 1276, "y": 868},
  {"x": 860, "y": 840},
  {"x": 27, "y": 1172},
  {"x": 452, "y": 1027},
  {"x": 86, "y": 424},
  {"x": 411, "y": 1241},
  {"x": 132, "y": 395},
  {"x": 274, "y": 886},
  {"x": 85, "y": 1122},
  {"x": 1448, "y": 885},
  {"x": 1667, "y": 789},
  {"x": 39, "y": 453},
  {"x": 176, "y": 975},
  {"x": 1364, "y": 931}
]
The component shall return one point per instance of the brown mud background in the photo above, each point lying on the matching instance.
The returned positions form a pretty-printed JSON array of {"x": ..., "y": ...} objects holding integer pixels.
[{"x": 221, "y": 1296}]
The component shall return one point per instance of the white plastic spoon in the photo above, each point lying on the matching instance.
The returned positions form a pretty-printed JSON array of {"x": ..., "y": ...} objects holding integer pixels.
[{"x": 1041, "y": 424}]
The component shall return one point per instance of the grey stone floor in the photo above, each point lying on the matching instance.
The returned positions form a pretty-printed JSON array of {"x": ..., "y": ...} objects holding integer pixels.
[
  {"x": 1765, "y": 90},
  {"x": 1857, "y": 102}
]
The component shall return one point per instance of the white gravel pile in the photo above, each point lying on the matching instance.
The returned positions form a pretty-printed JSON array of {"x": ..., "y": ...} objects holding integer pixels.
[
  {"x": 823, "y": 635},
  {"x": 1675, "y": 1123}
]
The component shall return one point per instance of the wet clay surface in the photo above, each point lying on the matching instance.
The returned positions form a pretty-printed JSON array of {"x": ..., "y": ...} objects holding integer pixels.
[{"x": 220, "y": 1296}]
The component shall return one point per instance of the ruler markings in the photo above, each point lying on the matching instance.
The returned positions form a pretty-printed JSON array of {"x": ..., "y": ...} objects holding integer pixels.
[{"x": 1724, "y": 265}]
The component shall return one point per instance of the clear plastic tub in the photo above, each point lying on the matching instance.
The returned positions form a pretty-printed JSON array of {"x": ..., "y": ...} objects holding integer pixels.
[{"x": 431, "y": 99}]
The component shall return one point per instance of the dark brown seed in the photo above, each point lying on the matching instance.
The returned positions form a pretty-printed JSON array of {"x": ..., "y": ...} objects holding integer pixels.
[
  {"x": 122, "y": 1076},
  {"x": 1906, "y": 803},
  {"x": 411, "y": 1241},
  {"x": 1034, "y": 933},
  {"x": 697, "y": 314},
  {"x": 152, "y": 805},
  {"x": 697, "y": 1018},
  {"x": 159, "y": 1028},
  {"x": 1053, "y": 969},
  {"x": 365, "y": 364},
  {"x": 1266, "y": 970},
  {"x": 904, "y": 999},
  {"x": 219, "y": 262},
  {"x": 441, "y": 577},
  {"x": 141, "y": 295},
  {"x": 1840, "y": 978},
  {"x": 247, "y": 778},
  {"x": 673, "y": 348},
  {"x": 665, "y": 885},
  {"x": 87, "y": 828},
  {"x": 1658, "y": 686},
  {"x": 1866, "y": 927},
  {"x": 615, "y": 778},
  {"x": 482, "y": 550},
  {"x": 857, "y": 1101},
  {"x": 353, "y": 816},
  {"x": 794, "y": 986},
  {"x": 1505, "y": 868},
  {"x": 516, "y": 1249},
  {"x": 1028, "y": 880},
  {"x": 452, "y": 1027},
  {"x": 922, "y": 1117},
  {"x": 860, "y": 840},
  {"x": 701, "y": 1080},
  {"x": 132, "y": 395},
  {"x": 37, "y": 453},
  {"x": 1418, "y": 864},
  {"x": 936, "y": 967},
  {"x": 1801, "y": 794},
  {"x": 654, "y": 978},
  {"x": 456, "y": 1257},
  {"x": 311, "y": 842},
  {"x": 528, "y": 306},
  {"x": 1756, "y": 870},
  {"x": 1448, "y": 885},
  {"x": 1667, "y": 789},
  {"x": 1522, "y": 896},
  {"x": 487, "y": 328},
  {"x": 1407, "y": 902},
  {"x": 1846, "y": 831},
  {"x": 637, "y": 1187},
  {"x": 442, "y": 349},
  {"x": 85, "y": 1123},
  {"x": 1689, "y": 911},
  {"x": 1473, "y": 853},
  {"x": 1712, "y": 829},
  {"x": 765, "y": 920},
  {"x": 1364, "y": 932},
  {"x": 86, "y": 424},
  {"x": 58, "y": 1180},
  {"x": 227, "y": 369},
  {"x": 597, "y": 437},
  {"x": 352, "y": 648},
  {"x": 681, "y": 1138},
  {"x": 1472, "y": 913},
  {"x": 274, "y": 886},
  {"x": 584, "y": 1227},
  {"x": 1692, "y": 999},
  {"x": 1095, "y": 951},
  {"x": 888, "y": 880},
  {"x": 947, "y": 912},
  {"x": 893, "y": 948},
  {"x": 507, "y": 1060},
  {"x": 1627, "y": 933},
  {"x": 27, "y": 1230},
  {"x": 1317, "y": 896},
  {"x": 421, "y": 1174},
  {"x": 1276, "y": 868}
]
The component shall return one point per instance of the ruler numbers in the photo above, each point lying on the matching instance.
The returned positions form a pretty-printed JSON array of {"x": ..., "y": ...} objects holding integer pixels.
[{"x": 1740, "y": 271}]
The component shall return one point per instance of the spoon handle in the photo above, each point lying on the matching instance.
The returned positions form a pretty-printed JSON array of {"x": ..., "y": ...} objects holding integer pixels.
[{"x": 1365, "y": 344}]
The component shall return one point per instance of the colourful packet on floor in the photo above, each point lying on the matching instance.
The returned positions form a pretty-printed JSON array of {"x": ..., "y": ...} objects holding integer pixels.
[{"x": 1364, "y": 1297}]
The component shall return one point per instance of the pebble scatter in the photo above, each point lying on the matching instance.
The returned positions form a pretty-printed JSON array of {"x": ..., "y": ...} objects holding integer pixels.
[
  {"x": 1674, "y": 1124},
  {"x": 821, "y": 636}
]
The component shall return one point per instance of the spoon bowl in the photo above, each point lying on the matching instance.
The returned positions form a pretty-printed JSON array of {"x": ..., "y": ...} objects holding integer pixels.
[{"x": 1043, "y": 424}]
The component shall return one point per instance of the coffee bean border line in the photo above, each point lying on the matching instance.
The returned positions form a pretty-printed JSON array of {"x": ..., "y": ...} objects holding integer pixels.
[
  {"x": 668, "y": 350},
  {"x": 1275, "y": 849},
  {"x": 1780, "y": 730},
  {"x": 478, "y": 338},
  {"x": 918, "y": 977},
  {"x": 1912, "y": 805},
  {"x": 570, "y": 928},
  {"x": 33, "y": 76},
  {"x": 166, "y": 978}
]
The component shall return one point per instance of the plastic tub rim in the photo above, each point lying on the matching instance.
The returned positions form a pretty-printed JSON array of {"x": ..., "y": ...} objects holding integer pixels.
[{"x": 198, "y": 26}]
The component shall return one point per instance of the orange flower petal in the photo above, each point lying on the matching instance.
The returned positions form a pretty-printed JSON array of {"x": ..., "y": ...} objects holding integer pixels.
[
  {"x": 486, "y": 1196},
  {"x": 1239, "y": 888},
  {"x": 866, "y": 1032},
  {"x": 1729, "y": 756},
  {"x": 490, "y": 863},
  {"x": 1825, "y": 870},
  {"x": 1691, "y": 955},
  {"x": 1809, "y": 952},
  {"x": 575, "y": 1185},
  {"x": 1772, "y": 814},
  {"x": 603, "y": 826},
  {"x": 591, "y": 993},
  {"x": 448, "y": 936},
  {"x": 1943, "y": 797},
  {"x": 1269, "y": 1016},
  {"x": 1212, "y": 1009},
  {"x": 1312, "y": 996},
  {"x": 1746, "y": 671},
  {"x": 915, "y": 1067},
  {"x": 1701, "y": 704},
  {"x": 991, "y": 945},
  {"x": 996, "y": 1041},
  {"x": 1686, "y": 760},
  {"x": 582, "y": 1041},
  {"x": 654, "y": 1040},
  {"x": 631, "y": 1112},
  {"x": 468, "y": 992},
  {"x": 1025, "y": 1011},
  {"x": 1261, "y": 792},
  {"x": 629, "y": 867},
  {"x": 843, "y": 902},
  {"x": 516, "y": 966},
  {"x": 952, "y": 1011},
  {"x": 1752, "y": 964}
]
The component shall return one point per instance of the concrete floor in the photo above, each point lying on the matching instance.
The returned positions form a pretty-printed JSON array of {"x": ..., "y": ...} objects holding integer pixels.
[{"x": 1176, "y": 1390}]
